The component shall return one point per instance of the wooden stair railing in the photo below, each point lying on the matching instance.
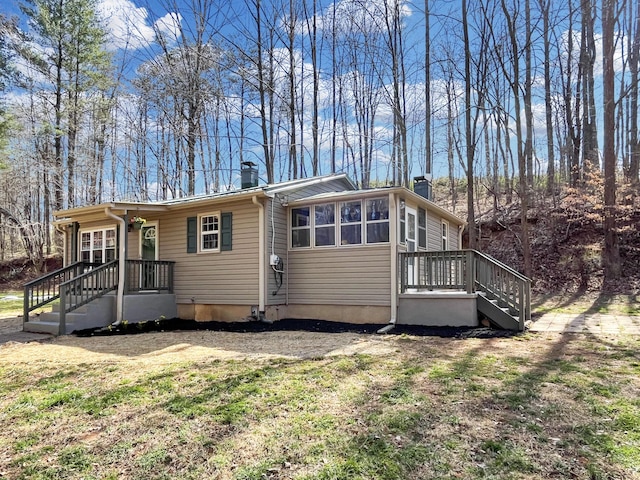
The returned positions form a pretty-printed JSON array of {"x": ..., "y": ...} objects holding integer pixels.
[
  {"x": 470, "y": 271},
  {"x": 46, "y": 289},
  {"x": 84, "y": 288}
]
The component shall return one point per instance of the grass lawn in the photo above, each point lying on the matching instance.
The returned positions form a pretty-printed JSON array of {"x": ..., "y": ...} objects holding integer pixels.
[
  {"x": 11, "y": 302},
  {"x": 526, "y": 407}
]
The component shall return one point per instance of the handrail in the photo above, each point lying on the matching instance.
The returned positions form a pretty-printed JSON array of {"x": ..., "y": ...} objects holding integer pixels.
[
  {"x": 84, "y": 288},
  {"x": 502, "y": 265},
  {"x": 46, "y": 289},
  {"x": 149, "y": 275},
  {"x": 75, "y": 287},
  {"x": 468, "y": 270}
]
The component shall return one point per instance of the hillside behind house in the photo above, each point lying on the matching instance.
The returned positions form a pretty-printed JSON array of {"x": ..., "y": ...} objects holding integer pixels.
[{"x": 566, "y": 243}]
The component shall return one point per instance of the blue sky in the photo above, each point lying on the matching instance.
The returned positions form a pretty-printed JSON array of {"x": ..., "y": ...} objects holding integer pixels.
[{"x": 133, "y": 26}]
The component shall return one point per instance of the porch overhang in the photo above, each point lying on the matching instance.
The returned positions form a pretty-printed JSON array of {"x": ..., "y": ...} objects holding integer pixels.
[{"x": 97, "y": 212}]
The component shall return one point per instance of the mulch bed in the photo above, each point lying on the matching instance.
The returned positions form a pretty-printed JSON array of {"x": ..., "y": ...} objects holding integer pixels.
[{"x": 176, "y": 324}]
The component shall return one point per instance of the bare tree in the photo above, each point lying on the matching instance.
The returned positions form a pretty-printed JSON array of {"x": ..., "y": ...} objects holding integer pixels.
[{"x": 610, "y": 252}]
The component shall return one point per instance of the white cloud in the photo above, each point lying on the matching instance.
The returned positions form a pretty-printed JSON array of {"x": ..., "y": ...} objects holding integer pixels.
[
  {"x": 356, "y": 15},
  {"x": 131, "y": 27}
]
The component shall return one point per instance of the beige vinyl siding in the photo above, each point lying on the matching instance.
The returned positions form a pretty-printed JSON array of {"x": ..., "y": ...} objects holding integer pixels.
[
  {"x": 279, "y": 226},
  {"x": 340, "y": 276},
  {"x": 434, "y": 231},
  {"x": 133, "y": 242},
  {"x": 229, "y": 277},
  {"x": 454, "y": 237},
  {"x": 68, "y": 248}
]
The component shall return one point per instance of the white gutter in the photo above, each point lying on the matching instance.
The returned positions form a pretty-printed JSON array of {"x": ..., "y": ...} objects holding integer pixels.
[
  {"x": 393, "y": 243},
  {"x": 261, "y": 256},
  {"x": 122, "y": 264}
]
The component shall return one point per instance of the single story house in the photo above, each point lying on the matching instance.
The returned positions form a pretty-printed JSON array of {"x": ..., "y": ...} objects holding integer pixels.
[{"x": 312, "y": 248}]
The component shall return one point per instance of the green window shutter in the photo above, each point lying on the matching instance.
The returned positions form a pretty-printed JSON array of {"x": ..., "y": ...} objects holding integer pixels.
[
  {"x": 225, "y": 231},
  {"x": 192, "y": 234}
]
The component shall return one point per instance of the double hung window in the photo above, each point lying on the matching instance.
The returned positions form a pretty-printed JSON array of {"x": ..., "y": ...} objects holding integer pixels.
[
  {"x": 98, "y": 246},
  {"x": 209, "y": 232}
]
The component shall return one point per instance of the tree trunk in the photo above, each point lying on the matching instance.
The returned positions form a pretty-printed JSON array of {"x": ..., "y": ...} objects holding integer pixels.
[{"x": 610, "y": 253}]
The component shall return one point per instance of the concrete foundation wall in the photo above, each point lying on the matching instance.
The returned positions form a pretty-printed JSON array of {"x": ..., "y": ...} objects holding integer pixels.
[
  {"x": 356, "y": 314},
  {"x": 438, "y": 309},
  {"x": 218, "y": 313},
  {"x": 140, "y": 308}
]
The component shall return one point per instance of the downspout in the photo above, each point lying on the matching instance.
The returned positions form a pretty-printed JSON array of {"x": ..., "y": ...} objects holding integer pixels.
[
  {"x": 393, "y": 244},
  {"x": 261, "y": 258},
  {"x": 122, "y": 263}
]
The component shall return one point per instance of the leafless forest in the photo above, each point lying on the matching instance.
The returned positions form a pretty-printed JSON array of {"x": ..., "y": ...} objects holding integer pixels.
[{"x": 513, "y": 105}]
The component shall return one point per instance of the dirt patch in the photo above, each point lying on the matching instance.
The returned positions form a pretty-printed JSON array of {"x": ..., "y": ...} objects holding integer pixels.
[{"x": 175, "y": 341}]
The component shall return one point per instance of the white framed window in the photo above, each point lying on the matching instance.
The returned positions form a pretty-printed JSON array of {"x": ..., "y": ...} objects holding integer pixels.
[
  {"x": 300, "y": 227},
  {"x": 98, "y": 245},
  {"x": 354, "y": 222},
  {"x": 377, "y": 220},
  {"x": 209, "y": 232},
  {"x": 445, "y": 235},
  {"x": 351, "y": 223},
  {"x": 324, "y": 225},
  {"x": 422, "y": 228}
]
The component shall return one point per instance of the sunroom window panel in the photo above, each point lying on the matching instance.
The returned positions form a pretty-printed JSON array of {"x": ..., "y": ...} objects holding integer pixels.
[
  {"x": 325, "y": 236},
  {"x": 325, "y": 230},
  {"x": 351, "y": 234},
  {"x": 377, "y": 220},
  {"x": 300, "y": 217},
  {"x": 300, "y": 238},
  {"x": 301, "y": 227},
  {"x": 378, "y": 232},
  {"x": 351, "y": 223},
  {"x": 351, "y": 212}
]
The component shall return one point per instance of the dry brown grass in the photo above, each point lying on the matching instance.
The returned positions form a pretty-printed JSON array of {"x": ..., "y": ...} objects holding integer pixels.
[{"x": 306, "y": 405}]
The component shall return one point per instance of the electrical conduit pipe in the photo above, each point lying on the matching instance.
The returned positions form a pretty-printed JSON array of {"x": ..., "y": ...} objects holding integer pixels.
[{"x": 261, "y": 259}]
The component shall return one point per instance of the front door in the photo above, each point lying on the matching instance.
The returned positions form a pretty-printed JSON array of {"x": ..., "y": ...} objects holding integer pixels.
[
  {"x": 410, "y": 240},
  {"x": 148, "y": 251}
]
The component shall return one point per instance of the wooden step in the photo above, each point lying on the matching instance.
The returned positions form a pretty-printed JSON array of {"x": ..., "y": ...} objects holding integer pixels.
[{"x": 499, "y": 316}]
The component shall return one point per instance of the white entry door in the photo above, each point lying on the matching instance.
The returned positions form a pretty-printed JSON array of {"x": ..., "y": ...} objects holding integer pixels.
[
  {"x": 411, "y": 219},
  {"x": 148, "y": 251}
]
